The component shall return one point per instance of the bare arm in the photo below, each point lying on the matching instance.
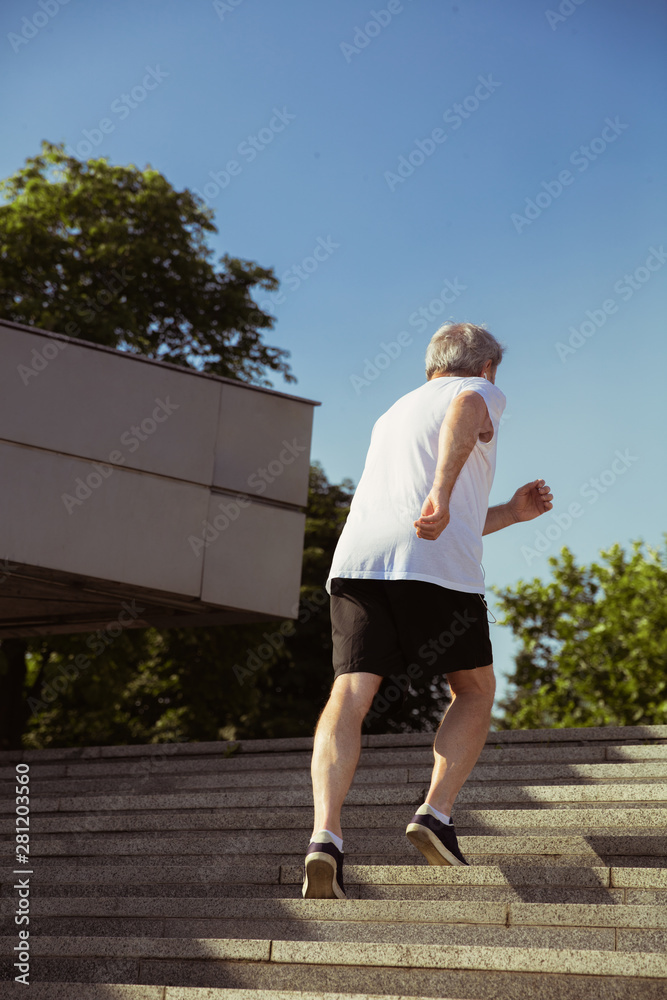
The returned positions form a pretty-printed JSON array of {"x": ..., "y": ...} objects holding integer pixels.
[
  {"x": 466, "y": 420},
  {"x": 498, "y": 517},
  {"x": 528, "y": 502}
]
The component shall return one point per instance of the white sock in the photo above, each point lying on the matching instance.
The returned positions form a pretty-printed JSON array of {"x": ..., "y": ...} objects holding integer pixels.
[
  {"x": 427, "y": 808},
  {"x": 326, "y": 836}
]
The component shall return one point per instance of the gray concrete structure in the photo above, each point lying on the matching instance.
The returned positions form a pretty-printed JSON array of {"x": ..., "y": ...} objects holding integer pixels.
[{"x": 140, "y": 492}]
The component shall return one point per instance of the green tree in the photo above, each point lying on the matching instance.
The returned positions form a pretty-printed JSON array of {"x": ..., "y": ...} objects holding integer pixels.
[{"x": 594, "y": 642}]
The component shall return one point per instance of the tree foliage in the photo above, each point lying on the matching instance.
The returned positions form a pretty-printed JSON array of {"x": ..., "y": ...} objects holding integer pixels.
[
  {"x": 115, "y": 255},
  {"x": 594, "y": 642}
]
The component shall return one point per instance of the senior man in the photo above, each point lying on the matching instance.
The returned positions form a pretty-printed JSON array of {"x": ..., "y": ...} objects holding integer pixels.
[{"x": 406, "y": 570}]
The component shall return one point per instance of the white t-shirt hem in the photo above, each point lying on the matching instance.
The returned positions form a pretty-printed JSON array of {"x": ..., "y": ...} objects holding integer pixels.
[{"x": 373, "y": 575}]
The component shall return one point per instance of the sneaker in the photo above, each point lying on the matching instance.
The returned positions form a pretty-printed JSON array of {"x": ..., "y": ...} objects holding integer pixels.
[
  {"x": 437, "y": 841},
  {"x": 323, "y": 871}
]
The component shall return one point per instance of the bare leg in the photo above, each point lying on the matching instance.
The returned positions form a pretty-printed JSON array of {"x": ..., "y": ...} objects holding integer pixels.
[
  {"x": 461, "y": 735},
  {"x": 337, "y": 745}
]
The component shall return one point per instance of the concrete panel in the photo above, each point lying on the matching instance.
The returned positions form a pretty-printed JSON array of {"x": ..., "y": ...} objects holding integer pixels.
[
  {"x": 111, "y": 461},
  {"x": 263, "y": 446},
  {"x": 131, "y": 529},
  {"x": 255, "y": 563},
  {"x": 64, "y": 395}
]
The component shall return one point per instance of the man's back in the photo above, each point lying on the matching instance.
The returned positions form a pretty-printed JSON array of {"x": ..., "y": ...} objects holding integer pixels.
[{"x": 379, "y": 540}]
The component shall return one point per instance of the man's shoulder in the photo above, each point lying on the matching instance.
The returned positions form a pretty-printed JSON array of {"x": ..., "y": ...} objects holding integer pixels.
[
  {"x": 492, "y": 394},
  {"x": 423, "y": 398},
  {"x": 405, "y": 400},
  {"x": 435, "y": 386}
]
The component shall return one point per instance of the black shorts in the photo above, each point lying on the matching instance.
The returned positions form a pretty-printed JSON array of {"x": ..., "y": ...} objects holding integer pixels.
[{"x": 412, "y": 627}]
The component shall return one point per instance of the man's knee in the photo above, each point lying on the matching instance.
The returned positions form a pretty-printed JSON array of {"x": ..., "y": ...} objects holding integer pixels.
[
  {"x": 480, "y": 683},
  {"x": 355, "y": 692}
]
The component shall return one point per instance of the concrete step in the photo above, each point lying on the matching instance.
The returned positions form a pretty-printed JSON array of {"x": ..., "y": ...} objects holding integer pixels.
[
  {"x": 545, "y": 737},
  {"x": 92, "y": 991},
  {"x": 247, "y": 873},
  {"x": 108, "y": 991},
  {"x": 642, "y": 740},
  {"x": 599, "y": 820},
  {"x": 344, "y": 931},
  {"x": 139, "y": 882},
  {"x": 363, "y": 794},
  {"x": 501, "y": 914},
  {"x": 186, "y": 783},
  {"x": 384, "y": 859},
  {"x": 588, "y": 736},
  {"x": 621, "y": 928},
  {"x": 625, "y": 818},
  {"x": 521, "y": 874},
  {"x": 564, "y": 773},
  {"x": 262, "y": 874},
  {"x": 507, "y": 893},
  {"x": 150, "y": 765},
  {"x": 411, "y": 969},
  {"x": 292, "y": 844},
  {"x": 142, "y": 882}
]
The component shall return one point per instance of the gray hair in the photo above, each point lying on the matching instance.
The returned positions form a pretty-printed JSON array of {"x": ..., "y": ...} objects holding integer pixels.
[{"x": 462, "y": 349}]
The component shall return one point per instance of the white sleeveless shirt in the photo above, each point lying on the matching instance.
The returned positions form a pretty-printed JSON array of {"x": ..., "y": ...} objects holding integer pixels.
[{"x": 379, "y": 540}]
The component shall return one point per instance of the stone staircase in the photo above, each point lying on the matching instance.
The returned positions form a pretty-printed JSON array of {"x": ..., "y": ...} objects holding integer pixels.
[{"x": 173, "y": 872}]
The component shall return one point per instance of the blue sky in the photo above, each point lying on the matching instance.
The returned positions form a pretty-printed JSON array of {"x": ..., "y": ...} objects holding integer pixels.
[{"x": 531, "y": 142}]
